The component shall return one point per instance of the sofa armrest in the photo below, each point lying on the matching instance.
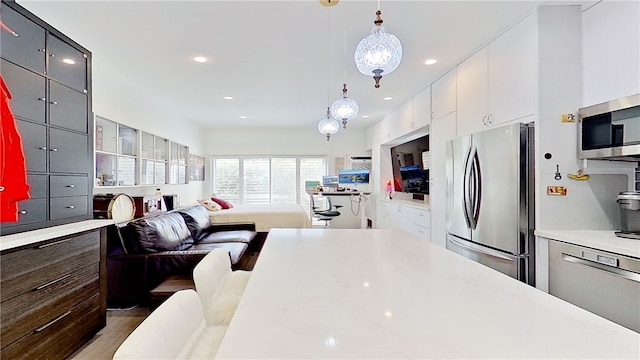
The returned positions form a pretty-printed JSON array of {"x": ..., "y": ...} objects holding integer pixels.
[{"x": 232, "y": 226}]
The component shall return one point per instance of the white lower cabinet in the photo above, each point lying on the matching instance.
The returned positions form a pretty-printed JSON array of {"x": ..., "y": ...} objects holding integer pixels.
[{"x": 408, "y": 217}]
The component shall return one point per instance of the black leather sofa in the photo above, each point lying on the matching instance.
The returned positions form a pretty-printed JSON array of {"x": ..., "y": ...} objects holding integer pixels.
[{"x": 144, "y": 252}]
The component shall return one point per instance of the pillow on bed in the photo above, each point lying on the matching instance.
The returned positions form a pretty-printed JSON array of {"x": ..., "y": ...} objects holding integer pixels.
[
  {"x": 224, "y": 203},
  {"x": 210, "y": 204}
]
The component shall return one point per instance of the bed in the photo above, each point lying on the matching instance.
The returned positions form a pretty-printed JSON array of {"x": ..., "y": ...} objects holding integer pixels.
[{"x": 265, "y": 216}]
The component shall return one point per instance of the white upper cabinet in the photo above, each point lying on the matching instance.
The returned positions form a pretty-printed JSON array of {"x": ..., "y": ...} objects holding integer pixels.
[
  {"x": 512, "y": 72},
  {"x": 472, "y": 93},
  {"x": 443, "y": 95},
  {"x": 497, "y": 84},
  {"x": 422, "y": 109},
  {"x": 404, "y": 120}
]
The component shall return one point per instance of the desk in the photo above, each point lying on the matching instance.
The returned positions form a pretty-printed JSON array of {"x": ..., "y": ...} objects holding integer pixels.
[
  {"x": 365, "y": 294},
  {"x": 352, "y": 212}
]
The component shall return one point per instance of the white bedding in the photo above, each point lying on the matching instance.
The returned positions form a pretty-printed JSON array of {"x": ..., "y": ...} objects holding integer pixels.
[{"x": 265, "y": 216}]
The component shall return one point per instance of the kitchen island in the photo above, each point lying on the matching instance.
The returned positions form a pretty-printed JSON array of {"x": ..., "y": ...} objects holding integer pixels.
[{"x": 347, "y": 293}]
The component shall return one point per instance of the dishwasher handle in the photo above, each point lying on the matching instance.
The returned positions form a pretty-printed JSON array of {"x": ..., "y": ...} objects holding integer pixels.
[{"x": 626, "y": 274}]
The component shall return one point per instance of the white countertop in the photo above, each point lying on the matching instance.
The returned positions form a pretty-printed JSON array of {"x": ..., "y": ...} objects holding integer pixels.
[
  {"x": 30, "y": 237},
  {"x": 597, "y": 239},
  {"x": 418, "y": 204},
  {"x": 346, "y": 293}
]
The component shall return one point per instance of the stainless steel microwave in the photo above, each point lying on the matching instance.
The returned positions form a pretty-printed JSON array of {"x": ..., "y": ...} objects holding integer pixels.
[{"x": 610, "y": 130}]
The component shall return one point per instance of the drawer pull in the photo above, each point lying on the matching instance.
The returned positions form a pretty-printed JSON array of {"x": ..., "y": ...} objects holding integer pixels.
[
  {"x": 54, "y": 149},
  {"x": 42, "y": 148},
  {"x": 54, "y": 243},
  {"x": 42, "y": 98},
  {"x": 43, "y": 327},
  {"x": 71, "y": 207},
  {"x": 52, "y": 282},
  {"x": 22, "y": 212},
  {"x": 71, "y": 186},
  {"x": 54, "y": 103}
]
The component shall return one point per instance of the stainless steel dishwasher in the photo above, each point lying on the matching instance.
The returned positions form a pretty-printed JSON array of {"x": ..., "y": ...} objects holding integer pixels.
[{"x": 604, "y": 283}]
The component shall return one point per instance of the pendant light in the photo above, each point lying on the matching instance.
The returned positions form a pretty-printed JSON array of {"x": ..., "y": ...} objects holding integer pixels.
[
  {"x": 344, "y": 108},
  {"x": 379, "y": 52},
  {"x": 328, "y": 126}
]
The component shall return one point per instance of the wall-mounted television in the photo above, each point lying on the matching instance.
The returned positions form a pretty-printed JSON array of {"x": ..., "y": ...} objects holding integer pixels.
[{"x": 410, "y": 163}]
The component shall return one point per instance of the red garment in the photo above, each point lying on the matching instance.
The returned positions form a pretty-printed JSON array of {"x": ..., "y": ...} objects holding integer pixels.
[{"x": 13, "y": 173}]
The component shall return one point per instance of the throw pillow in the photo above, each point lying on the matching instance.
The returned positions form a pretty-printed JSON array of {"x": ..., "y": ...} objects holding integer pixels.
[
  {"x": 210, "y": 204},
  {"x": 225, "y": 204}
]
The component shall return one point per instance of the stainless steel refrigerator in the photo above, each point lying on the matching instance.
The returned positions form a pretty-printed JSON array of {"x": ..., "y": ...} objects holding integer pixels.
[{"x": 490, "y": 199}]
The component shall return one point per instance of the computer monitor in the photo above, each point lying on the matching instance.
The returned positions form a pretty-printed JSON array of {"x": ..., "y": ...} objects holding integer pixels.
[
  {"x": 330, "y": 181},
  {"x": 353, "y": 176}
]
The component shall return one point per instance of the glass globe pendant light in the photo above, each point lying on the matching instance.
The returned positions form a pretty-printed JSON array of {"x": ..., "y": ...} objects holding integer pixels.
[
  {"x": 379, "y": 52},
  {"x": 328, "y": 126},
  {"x": 344, "y": 108}
]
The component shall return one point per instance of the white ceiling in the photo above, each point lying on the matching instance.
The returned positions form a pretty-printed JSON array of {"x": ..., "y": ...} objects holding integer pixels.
[{"x": 282, "y": 61}]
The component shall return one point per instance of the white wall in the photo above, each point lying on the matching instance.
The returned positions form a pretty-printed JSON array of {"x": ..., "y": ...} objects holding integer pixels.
[
  {"x": 117, "y": 99},
  {"x": 282, "y": 141}
]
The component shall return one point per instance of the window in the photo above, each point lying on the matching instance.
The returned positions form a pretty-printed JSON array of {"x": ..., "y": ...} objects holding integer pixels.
[{"x": 266, "y": 180}]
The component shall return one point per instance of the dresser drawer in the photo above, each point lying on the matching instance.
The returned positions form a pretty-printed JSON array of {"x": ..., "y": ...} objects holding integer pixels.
[
  {"x": 62, "y": 186},
  {"x": 32, "y": 310},
  {"x": 27, "y": 269},
  {"x": 30, "y": 211},
  {"x": 61, "y": 336},
  {"x": 65, "y": 207}
]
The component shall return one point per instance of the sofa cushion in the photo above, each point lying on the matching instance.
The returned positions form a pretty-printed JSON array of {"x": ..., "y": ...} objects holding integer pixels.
[
  {"x": 164, "y": 232},
  {"x": 196, "y": 218},
  {"x": 235, "y": 249},
  {"x": 243, "y": 236}
]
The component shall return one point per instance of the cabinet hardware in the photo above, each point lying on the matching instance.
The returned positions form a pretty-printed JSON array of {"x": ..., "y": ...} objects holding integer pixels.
[
  {"x": 54, "y": 103},
  {"x": 484, "y": 120},
  {"x": 71, "y": 207},
  {"x": 489, "y": 119},
  {"x": 626, "y": 274},
  {"x": 43, "y": 327},
  {"x": 22, "y": 212},
  {"x": 53, "y": 55},
  {"x": 42, "y": 98},
  {"x": 42, "y": 148},
  {"x": 54, "y": 149},
  {"x": 71, "y": 186},
  {"x": 42, "y": 50},
  {"x": 52, "y": 282}
]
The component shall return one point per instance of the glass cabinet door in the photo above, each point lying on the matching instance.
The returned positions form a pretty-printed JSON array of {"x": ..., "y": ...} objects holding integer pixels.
[
  {"x": 147, "y": 145},
  {"x": 162, "y": 149},
  {"x": 128, "y": 138},
  {"x": 106, "y": 135},
  {"x": 106, "y": 169},
  {"x": 126, "y": 170}
]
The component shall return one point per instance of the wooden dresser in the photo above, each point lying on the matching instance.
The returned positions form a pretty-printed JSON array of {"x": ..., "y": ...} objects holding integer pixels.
[{"x": 53, "y": 294}]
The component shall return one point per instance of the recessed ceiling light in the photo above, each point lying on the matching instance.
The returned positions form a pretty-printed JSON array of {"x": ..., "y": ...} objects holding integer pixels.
[
  {"x": 228, "y": 97},
  {"x": 366, "y": 116},
  {"x": 68, "y": 61},
  {"x": 200, "y": 59},
  {"x": 387, "y": 98},
  {"x": 430, "y": 61},
  {"x": 242, "y": 117}
]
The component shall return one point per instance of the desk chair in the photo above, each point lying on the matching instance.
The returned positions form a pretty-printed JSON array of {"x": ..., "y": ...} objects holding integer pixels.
[{"x": 326, "y": 214}]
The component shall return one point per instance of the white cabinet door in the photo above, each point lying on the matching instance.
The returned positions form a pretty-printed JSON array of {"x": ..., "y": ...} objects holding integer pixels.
[
  {"x": 442, "y": 130},
  {"x": 403, "y": 120},
  {"x": 472, "y": 93},
  {"x": 443, "y": 95},
  {"x": 512, "y": 73},
  {"x": 422, "y": 108}
]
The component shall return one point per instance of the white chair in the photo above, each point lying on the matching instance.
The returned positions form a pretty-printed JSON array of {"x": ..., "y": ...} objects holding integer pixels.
[
  {"x": 219, "y": 288},
  {"x": 175, "y": 330}
]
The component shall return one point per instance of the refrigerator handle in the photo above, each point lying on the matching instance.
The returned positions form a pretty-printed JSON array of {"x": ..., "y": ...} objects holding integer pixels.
[
  {"x": 482, "y": 250},
  {"x": 477, "y": 174},
  {"x": 466, "y": 189}
]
